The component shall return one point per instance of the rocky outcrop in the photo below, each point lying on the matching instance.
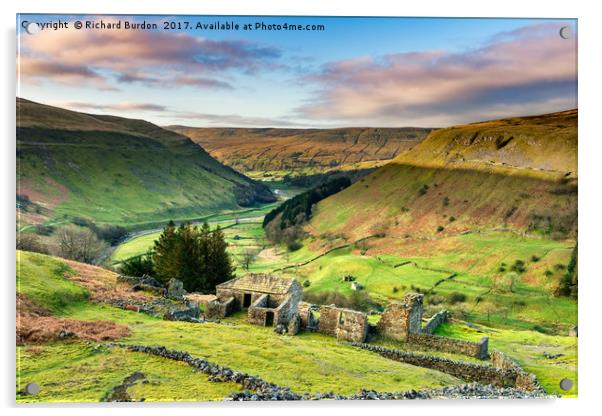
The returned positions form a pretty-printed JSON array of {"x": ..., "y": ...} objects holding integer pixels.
[{"x": 175, "y": 289}]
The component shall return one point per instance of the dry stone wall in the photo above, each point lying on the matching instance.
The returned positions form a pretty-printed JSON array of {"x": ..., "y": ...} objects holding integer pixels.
[
  {"x": 524, "y": 381},
  {"x": 434, "y": 322},
  {"x": 452, "y": 345},
  {"x": 502, "y": 377}
]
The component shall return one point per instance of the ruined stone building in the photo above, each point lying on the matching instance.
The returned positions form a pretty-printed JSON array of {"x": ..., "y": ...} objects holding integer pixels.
[
  {"x": 402, "y": 321},
  {"x": 271, "y": 300},
  {"x": 402, "y": 318},
  {"x": 344, "y": 324}
]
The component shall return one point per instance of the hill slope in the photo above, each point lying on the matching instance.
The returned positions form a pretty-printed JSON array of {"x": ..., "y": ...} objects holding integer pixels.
[
  {"x": 518, "y": 173},
  {"x": 117, "y": 170},
  {"x": 272, "y": 151}
]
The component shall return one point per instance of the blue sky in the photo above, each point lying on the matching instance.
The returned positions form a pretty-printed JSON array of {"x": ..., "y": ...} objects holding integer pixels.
[{"x": 356, "y": 72}]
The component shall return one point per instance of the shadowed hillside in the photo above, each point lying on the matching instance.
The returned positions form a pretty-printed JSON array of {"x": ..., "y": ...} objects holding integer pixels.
[
  {"x": 117, "y": 170},
  {"x": 518, "y": 173},
  {"x": 274, "y": 152}
]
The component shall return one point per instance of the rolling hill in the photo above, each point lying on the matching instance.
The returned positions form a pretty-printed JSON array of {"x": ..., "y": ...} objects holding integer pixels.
[
  {"x": 274, "y": 152},
  {"x": 117, "y": 170},
  {"x": 518, "y": 174}
]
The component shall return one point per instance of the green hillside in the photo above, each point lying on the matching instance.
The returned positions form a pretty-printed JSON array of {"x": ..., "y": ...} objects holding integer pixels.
[
  {"x": 117, "y": 170},
  {"x": 518, "y": 174}
]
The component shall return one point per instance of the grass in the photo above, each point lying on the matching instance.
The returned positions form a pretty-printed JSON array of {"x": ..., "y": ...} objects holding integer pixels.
[
  {"x": 527, "y": 349},
  {"x": 85, "y": 372},
  {"x": 41, "y": 277}
]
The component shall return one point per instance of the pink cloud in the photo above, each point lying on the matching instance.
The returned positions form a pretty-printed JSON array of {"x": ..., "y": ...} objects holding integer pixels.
[
  {"x": 138, "y": 56},
  {"x": 530, "y": 65}
]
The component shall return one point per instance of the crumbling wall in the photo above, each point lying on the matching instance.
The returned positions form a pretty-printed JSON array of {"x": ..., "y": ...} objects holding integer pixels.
[
  {"x": 286, "y": 311},
  {"x": 402, "y": 318},
  {"x": 220, "y": 308},
  {"x": 344, "y": 324},
  {"x": 503, "y": 377},
  {"x": 307, "y": 319},
  {"x": 257, "y": 311},
  {"x": 453, "y": 345},
  {"x": 435, "y": 321},
  {"x": 524, "y": 381}
]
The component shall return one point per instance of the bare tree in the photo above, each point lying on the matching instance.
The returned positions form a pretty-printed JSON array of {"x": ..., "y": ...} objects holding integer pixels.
[
  {"x": 78, "y": 243},
  {"x": 248, "y": 257}
]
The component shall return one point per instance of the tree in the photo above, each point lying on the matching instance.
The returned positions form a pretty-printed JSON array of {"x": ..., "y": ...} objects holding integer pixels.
[
  {"x": 30, "y": 242},
  {"x": 196, "y": 256},
  {"x": 138, "y": 266},
  {"x": 166, "y": 260},
  {"x": 78, "y": 243},
  {"x": 248, "y": 256}
]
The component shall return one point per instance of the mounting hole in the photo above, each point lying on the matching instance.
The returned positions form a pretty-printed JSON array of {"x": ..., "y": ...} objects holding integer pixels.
[
  {"x": 32, "y": 388},
  {"x": 566, "y": 384}
]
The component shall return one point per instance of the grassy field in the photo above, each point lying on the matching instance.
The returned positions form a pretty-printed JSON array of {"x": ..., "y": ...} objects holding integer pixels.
[
  {"x": 527, "y": 348},
  {"x": 84, "y": 372}
]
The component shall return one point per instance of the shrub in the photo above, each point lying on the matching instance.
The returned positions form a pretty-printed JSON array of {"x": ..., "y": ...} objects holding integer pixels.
[
  {"x": 306, "y": 283},
  {"x": 534, "y": 258},
  {"x": 46, "y": 230},
  {"x": 30, "y": 242},
  {"x": 78, "y": 243},
  {"x": 436, "y": 300},
  {"x": 358, "y": 300},
  {"x": 452, "y": 218},
  {"x": 548, "y": 273},
  {"x": 456, "y": 297},
  {"x": 519, "y": 266},
  {"x": 423, "y": 190},
  {"x": 446, "y": 202},
  {"x": 395, "y": 289},
  {"x": 138, "y": 266},
  {"x": 440, "y": 228}
]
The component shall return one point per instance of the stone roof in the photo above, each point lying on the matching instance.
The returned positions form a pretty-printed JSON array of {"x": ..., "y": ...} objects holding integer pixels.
[{"x": 260, "y": 282}]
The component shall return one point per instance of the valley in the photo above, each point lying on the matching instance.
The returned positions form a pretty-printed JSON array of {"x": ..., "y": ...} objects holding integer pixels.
[
  {"x": 274, "y": 154},
  {"x": 479, "y": 219}
]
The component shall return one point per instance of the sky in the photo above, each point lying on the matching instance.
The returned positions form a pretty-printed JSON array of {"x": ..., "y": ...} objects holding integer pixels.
[{"x": 368, "y": 72}]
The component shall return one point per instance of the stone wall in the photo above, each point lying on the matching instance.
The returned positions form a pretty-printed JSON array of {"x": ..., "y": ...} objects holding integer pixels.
[
  {"x": 524, "y": 381},
  {"x": 344, "y": 324},
  {"x": 402, "y": 318},
  {"x": 257, "y": 311},
  {"x": 220, "y": 308},
  {"x": 452, "y": 345},
  {"x": 283, "y": 311},
  {"x": 307, "y": 319},
  {"x": 434, "y": 322},
  {"x": 509, "y": 377}
]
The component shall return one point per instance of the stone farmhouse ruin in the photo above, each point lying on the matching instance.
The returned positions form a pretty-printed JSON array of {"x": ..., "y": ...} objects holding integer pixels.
[
  {"x": 270, "y": 300},
  {"x": 276, "y": 302}
]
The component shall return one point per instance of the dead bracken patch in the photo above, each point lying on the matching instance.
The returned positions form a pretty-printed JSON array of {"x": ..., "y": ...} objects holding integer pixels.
[
  {"x": 33, "y": 329},
  {"x": 102, "y": 284}
]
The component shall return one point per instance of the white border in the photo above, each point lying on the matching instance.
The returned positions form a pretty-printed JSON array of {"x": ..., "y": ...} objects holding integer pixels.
[{"x": 590, "y": 154}]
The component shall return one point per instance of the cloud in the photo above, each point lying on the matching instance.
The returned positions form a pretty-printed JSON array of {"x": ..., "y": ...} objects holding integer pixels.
[
  {"x": 231, "y": 120},
  {"x": 529, "y": 68},
  {"x": 128, "y": 56},
  {"x": 124, "y": 106}
]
